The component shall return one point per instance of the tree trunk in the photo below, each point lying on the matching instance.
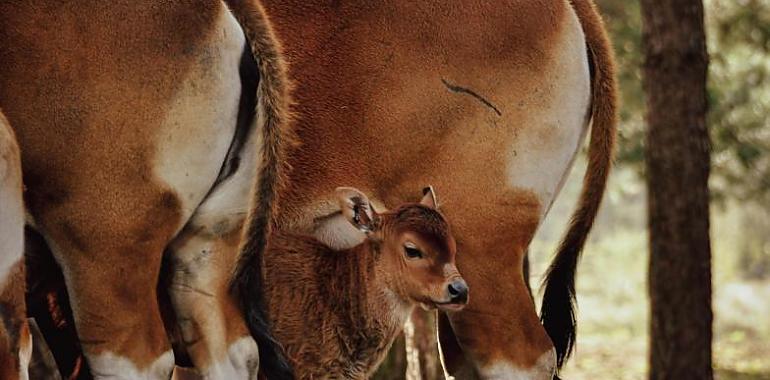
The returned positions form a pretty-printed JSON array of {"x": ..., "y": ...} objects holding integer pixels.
[{"x": 678, "y": 163}]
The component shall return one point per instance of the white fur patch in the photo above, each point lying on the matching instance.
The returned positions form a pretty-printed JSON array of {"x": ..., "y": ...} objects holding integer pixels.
[
  {"x": 544, "y": 369},
  {"x": 201, "y": 118},
  {"x": 113, "y": 367},
  {"x": 333, "y": 229},
  {"x": 336, "y": 232},
  {"x": 542, "y": 154},
  {"x": 242, "y": 362},
  {"x": 228, "y": 204},
  {"x": 11, "y": 220}
]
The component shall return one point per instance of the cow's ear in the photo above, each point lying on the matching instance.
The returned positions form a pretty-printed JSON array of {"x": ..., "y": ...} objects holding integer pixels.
[
  {"x": 429, "y": 198},
  {"x": 357, "y": 210}
]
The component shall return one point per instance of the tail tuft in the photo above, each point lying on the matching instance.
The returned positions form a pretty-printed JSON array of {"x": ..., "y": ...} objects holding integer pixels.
[{"x": 558, "y": 309}]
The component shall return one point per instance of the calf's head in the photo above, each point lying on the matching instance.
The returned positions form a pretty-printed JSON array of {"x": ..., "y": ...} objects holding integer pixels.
[{"x": 417, "y": 248}]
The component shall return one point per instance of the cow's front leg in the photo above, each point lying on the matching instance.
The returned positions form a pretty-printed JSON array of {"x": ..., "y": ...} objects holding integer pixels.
[{"x": 212, "y": 328}]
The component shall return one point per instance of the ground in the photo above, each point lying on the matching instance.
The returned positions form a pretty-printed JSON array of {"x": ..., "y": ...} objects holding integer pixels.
[{"x": 612, "y": 294}]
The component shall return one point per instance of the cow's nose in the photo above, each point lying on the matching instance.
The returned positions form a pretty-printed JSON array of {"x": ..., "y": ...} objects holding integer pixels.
[{"x": 458, "y": 291}]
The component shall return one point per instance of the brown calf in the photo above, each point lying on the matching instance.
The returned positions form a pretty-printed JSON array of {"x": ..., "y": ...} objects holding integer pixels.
[{"x": 338, "y": 311}]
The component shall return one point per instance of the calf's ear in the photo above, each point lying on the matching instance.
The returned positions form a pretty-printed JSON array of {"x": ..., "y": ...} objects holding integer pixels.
[
  {"x": 357, "y": 209},
  {"x": 429, "y": 198}
]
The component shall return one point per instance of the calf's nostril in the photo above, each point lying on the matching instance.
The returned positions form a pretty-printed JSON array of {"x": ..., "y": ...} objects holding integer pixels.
[{"x": 458, "y": 291}]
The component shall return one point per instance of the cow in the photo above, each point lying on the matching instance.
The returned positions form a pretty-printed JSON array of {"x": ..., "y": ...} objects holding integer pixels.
[
  {"x": 490, "y": 102},
  {"x": 337, "y": 312},
  {"x": 140, "y": 125},
  {"x": 15, "y": 338},
  {"x": 128, "y": 119}
]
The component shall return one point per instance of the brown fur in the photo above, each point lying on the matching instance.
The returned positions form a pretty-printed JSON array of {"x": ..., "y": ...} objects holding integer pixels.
[
  {"x": 87, "y": 86},
  {"x": 85, "y": 113},
  {"x": 277, "y": 135},
  {"x": 368, "y": 79},
  {"x": 338, "y": 312},
  {"x": 371, "y": 84}
]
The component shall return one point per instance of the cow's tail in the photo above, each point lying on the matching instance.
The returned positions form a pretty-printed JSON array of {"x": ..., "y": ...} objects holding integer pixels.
[
  {"x": 273, "y": 102},
  {"x": 558, "y": 309}
]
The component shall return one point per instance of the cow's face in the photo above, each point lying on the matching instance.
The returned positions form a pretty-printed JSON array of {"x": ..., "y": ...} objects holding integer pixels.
[{"x": 417, "y": 247}]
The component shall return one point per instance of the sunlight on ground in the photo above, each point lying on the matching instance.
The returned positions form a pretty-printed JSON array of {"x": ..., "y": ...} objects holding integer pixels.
[{"x": 612, "y": 293}]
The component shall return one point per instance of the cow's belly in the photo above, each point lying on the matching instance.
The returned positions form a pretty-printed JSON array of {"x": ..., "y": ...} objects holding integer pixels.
[{"x": 200, "y": 120}]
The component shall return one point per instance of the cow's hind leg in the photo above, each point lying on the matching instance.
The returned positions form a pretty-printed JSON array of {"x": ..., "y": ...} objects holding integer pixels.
[
  {"x": 116, "y": 313},
  {"x": 203, "y": 257},
  {"x": 212, "y": 328},
  {"x": 110, "y": 254},
  {"x": 112, "y": 291},
  {"x": 15, "y": 340}
]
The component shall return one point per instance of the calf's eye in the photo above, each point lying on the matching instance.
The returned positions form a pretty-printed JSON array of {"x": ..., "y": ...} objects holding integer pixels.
[{"x": 412, "y": 252}]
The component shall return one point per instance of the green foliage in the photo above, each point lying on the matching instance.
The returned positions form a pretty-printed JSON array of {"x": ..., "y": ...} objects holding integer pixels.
[
  {"x": 739, "y": 93},
  {"x": 740, "y": 98}
]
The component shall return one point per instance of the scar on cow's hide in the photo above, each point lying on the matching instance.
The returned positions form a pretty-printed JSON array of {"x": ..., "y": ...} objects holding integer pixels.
[{"x": 463, "y": 90}]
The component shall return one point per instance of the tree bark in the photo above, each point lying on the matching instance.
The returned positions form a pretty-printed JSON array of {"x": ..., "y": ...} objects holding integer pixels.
[{"x": 677, "y": 155}]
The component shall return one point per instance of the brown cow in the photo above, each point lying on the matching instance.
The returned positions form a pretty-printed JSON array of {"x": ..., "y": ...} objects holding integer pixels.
[
  {"x": 488, "y": 100},
  {"x": 138, "y": 137},
  {"x": 338, "y": 311},
  {"x": 15, "y": 338},
  {"x": 125, "y": 116}
]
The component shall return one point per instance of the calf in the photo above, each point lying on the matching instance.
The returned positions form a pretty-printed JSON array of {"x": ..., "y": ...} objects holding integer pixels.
[{"x": 338, "y": 311}]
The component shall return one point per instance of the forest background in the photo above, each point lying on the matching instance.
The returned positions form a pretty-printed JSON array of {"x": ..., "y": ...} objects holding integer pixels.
[{"x": 612, "y": 277}]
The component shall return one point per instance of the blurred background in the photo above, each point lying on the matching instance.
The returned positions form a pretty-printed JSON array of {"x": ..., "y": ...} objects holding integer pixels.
[{"x": 611, "y": 285}]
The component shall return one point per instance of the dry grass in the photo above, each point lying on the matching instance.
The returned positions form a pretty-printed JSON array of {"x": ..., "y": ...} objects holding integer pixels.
[{"x": 612, "y": 295}]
